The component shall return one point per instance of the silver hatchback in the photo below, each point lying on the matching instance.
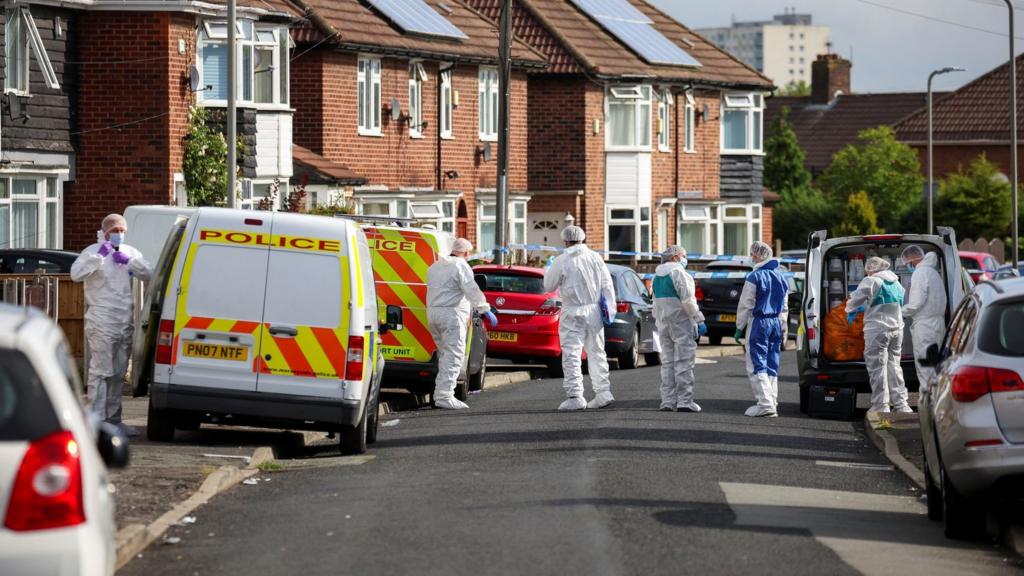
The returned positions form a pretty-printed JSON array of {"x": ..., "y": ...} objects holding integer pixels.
[{"x": 972, "y": 412}]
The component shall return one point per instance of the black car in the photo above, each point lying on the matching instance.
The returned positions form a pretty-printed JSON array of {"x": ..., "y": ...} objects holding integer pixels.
[
  {"x": 632, "y": 332},
  {"x": 32, "y": 260},
  {"x": 719, "y": 297}
]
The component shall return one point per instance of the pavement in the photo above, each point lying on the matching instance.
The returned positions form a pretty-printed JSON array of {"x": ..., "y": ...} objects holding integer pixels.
[{"x": 512, "y": 486}]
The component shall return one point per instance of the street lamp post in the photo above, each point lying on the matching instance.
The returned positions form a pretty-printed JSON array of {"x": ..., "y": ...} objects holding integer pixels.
[
  {"x": 1013, "y": 139},
  {"x": 931, "y": 179}
]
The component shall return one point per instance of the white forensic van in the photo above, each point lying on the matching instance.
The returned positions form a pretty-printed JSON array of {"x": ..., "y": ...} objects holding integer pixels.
[{"x": 263, "y": 318}]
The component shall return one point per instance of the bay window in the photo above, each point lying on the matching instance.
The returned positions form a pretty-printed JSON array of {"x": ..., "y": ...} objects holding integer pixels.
[
  {"x": 30, "y": 212},
  {"x": 262, "y": 56},
  {"x": 368, "y": 100},
  {"x": 742, "y": 123},
  {"x": 488, "y": 102},
  {"x": 628, "y": 117},
  {"x": 263, "y": 195},
  {"x": 487, "y": 225},
  {"x": 629, "y": 229},
  {"x": 386, "y": 207}
]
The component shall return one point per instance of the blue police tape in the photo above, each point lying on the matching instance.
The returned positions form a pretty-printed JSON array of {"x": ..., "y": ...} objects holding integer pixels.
[{"x": 721, "y": 275}]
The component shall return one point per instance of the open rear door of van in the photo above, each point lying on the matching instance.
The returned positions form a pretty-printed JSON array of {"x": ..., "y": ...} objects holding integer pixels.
[
  {"x": 811, "y": 306},
  {"x": 954, "y": 277},
  {"x": 220, "y": 304}
]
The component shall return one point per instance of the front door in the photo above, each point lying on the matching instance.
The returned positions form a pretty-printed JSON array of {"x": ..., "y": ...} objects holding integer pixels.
[{"x": 545, "y": 228}]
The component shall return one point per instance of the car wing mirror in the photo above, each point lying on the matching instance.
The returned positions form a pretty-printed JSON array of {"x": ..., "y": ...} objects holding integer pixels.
[
  {"x": 393, "y": 319},
  {"x": 932, "y": 357},
  {"x": 113, "y": 445}
]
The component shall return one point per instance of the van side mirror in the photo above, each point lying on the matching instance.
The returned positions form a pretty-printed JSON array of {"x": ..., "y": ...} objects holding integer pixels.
[
  {"x": 932, "y": 357},
  {"x": 392, "y": 319},
  {"x": 113, "y": 445}
]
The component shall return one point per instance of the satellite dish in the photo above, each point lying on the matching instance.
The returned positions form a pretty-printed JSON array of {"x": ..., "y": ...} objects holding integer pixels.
[
  {"x": 487, "y": 152},
  {"x": 193, "y": 78},
  {"x": 396, "y": 109}
]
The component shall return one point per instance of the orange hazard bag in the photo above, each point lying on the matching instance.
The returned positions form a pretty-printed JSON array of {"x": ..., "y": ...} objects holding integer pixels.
[{"x": 843, "y": 342}]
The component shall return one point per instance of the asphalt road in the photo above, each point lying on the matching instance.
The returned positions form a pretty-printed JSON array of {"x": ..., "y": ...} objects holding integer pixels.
[{"x": 513, "y": 487}]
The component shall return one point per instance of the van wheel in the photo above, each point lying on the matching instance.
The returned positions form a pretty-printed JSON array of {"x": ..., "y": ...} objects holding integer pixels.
[
  {"x": 462, "y": 390},
  {"x": 159, "y": 424},
  {"x": 805, "y": 399},
  {"x": 932, "y": 493},
  {"x": 373, "y": 413},
  {"x": 963, "y": 519},
  {"x": 352, "y": 439},
  {"x": 652, "y": 359},
  {"x": 189, "y": 422},
  {"x": 476, "y": 381},
  {"x": 630, "y": 358}
]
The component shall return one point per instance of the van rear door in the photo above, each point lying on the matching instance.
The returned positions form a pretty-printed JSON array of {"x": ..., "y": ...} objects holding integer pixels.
[
  {"x": 308, "y": 307},
  {"x": 220, "y": 305},
  {"x": 954, "y": 278},
  {"x": 809, "y": 322}
]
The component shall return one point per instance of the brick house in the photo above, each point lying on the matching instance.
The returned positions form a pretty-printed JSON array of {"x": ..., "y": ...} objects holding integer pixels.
[
  {"x": 95, "y": 114},
  {"x": 413, "y": 112},
  {"x": 642, "y": 154},
  {"x": 973, "y": 120}
]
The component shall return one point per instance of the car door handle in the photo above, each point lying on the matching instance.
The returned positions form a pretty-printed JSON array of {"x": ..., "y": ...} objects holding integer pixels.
[{"x": 283, "y": 331}]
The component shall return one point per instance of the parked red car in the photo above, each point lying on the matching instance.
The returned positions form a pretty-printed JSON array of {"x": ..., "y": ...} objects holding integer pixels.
[
  {"x": 527, "y": 329},
  {"x": 980, "y": 265}
]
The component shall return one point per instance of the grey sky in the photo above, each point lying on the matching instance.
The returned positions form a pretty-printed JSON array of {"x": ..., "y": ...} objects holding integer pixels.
[{"x": 891, "y": 51}]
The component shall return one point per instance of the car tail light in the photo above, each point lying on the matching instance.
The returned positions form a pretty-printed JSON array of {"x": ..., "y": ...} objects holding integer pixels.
[
  {"x": 699, "y": 293},
  {"x": 164, "y": 342},
  {"x": 986, "y": 442},
  {"x": 622, "y": 307},
  {"x": 47, "y": 491},
  {"x": 549, "y": 307},
  {"x": 354, "y": 360},
  {"x": 973, "y": 382}
]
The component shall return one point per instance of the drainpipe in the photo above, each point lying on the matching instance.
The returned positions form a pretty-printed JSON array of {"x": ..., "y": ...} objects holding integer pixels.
[
  {"x": 677, "y": 154},
  {"x": 439, "y": 183}
]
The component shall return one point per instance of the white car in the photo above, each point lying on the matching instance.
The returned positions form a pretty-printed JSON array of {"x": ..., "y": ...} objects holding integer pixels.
[{"x": 55, "y": 501}]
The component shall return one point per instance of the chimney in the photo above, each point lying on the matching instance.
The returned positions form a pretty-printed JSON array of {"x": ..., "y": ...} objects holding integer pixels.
[{"x": 830, "y": 73}]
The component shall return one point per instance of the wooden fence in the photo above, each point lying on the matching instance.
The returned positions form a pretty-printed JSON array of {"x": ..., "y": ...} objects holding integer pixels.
[{"x": 56, "y": 295}]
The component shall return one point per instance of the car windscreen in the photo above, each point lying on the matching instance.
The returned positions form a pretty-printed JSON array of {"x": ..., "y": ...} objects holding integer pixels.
[
  {"x": 512, "y": 283},
  {"x": 1001, "y": 332},
  {"x": 25, "y": 409},
  {"x": 969, "y": 263}
]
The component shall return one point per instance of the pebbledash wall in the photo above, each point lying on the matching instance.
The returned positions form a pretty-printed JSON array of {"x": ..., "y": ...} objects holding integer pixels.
[
  {"x": 324, "y": 95},
  {"x": 133, "y": 115}
]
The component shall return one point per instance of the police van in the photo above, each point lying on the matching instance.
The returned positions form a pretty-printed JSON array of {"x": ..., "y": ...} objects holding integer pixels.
[{"x": 263, "y": 318}]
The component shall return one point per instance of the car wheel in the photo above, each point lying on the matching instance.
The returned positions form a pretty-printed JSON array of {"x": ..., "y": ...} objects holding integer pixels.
[
  {"x": 631, "y": 357},
  {"x": 373, "y": 413},
  {"x": 186, "y": 421},
  {"x": 963, "y": 521},
  {"x": 476, "y": 381},
  {"x": 159, "y": 424},
  {"x": 652, "y": 358},
  {"x": 805, "y": 399},
  {"x": 462, "y": 389},
  {"x": 715, "y": 339},
  {"x": 555, "y": 368},
  {"x": 352, "y": 439},
  {"x": 932, "y": 493}
]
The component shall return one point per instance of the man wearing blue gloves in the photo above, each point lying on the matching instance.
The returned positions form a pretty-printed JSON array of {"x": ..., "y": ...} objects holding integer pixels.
[
  {"x": 583, "y": 283},
  {"x": 762, "y": 313},
  {"x": 680, "y": 323},
  {"x": 451, "y": 294},
  {"x": 879, "y": 296}
]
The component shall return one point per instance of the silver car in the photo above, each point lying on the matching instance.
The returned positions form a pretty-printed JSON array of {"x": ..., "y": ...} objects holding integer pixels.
[{"x": 972, "y": 412}]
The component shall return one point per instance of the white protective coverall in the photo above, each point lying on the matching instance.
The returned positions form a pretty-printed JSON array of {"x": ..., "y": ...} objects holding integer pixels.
[
  {"x": 108, "y": 323},
  {"x": 881, "y": 295},
  {"x": 677, "y": 316},
  {"x": 581, "y": 277},
  {"x": 926, "y": 308},
  {"x": 451, "y": 295}
]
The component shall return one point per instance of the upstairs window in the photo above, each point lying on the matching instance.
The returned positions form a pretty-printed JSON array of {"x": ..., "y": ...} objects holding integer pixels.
[
  {"x": 262, "y": 63},
  {"x": 446, "y": 104},
  {"x": 489, "y": 104},
  {"x": 629, "y": 117},
  {"x": 742, "y": 123},
  {"x": 417, "y": 75},
  {"x": 690, "y": 113},
  {"x": 665, "y": 120},
  {"x": 22, "y": 40},
  {"x": 368, "y": 86}
]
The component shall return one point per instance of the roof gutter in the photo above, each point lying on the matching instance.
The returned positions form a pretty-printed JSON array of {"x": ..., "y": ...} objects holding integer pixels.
[
  {"x": 429, "y": 55},
  {"x": 690, "y": 82}
]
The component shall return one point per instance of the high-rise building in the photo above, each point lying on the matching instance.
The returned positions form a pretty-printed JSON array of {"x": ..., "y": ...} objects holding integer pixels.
[{"x": 782, "y": 48}]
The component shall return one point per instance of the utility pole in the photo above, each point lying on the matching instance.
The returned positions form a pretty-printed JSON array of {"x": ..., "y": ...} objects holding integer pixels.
[
  {"x": 504, "y": 94},
  {"x": 1015, "y": 232},
  {"x": 931, "y": 178},
  {"x": 232, "y": 130}
]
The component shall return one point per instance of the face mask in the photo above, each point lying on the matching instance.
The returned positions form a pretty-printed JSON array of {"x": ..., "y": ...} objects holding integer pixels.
[
  {"x": 116, "y": 238},
  {"x": 911, "y": 267},
  {"x": 683, "y": 262}
]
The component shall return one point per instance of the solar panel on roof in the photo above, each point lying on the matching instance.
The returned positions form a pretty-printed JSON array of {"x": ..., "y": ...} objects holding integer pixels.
[
  {"x": 417, "y": 17},
  {"x": 634, "y": 29}
]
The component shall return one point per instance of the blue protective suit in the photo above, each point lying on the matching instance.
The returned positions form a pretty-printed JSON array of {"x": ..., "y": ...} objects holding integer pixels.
[{"x": 762, "y": 312}]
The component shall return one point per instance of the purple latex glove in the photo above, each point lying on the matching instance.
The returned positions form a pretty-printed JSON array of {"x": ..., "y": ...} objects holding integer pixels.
[
  {"x": 105, "y": 249},
  {"x": 121, "y": 258}
]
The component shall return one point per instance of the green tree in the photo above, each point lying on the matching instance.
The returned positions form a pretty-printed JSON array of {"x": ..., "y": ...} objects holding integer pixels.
[
  {"x": 205, "y": 162},
  {"x": 859, "y": 217},
  {"x": 801, "y": 211},
  {"x": 886, "y": 169},
  {"x": 796, "y": 89},
  {"x": 975, "y": 201},
  {"x": 784, "y": 159}
]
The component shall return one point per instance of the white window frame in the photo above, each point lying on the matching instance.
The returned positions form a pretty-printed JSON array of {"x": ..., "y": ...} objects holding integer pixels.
[
  {"x": 368, "y": 92},
  {"x": 250, "y": 36},
  {"x": 417, "y": 74},
  {"x": 42, "y": 198},
  {"x": 751, "y": 105},
  {"x": 640, "y": 98},
  {"x": 641, "y": 226},
  {"x": 398, "y": 206},
  {"x": 690, "y": 124},
  {"x": 665, "y": 102},
  {"x": 19, "y": 22},
  {"x": 711, "y": 219},
  {"x": 487, "y": 125},
  {"x": 512, "y": 237},
  {"x": 447, "y": 120},
  {"x": 247, "y": 201},
  {"x": 752, "y": 216}
]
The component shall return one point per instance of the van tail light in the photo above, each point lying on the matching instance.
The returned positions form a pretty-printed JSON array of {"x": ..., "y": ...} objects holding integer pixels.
[
  {"x": 811, "y": 332},
  {"x": 699, "y": 293},
  {"x": 622, "y": 307},
  {"x": 549, "y": 307},
  {"x": 47, "y": 491},
  {"x": 164, "y": 342},
  {"x": 973, "y": 382},
  {"x": 354, "y": 360}
]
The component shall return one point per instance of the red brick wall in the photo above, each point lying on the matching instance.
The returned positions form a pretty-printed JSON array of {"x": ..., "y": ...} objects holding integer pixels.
[
  {"x": 594, "y": 198},
  {"x": 324, "y": 94},
  {"x": 135, "y": 163},
  {"x": 949, "y": 158},
  {"x": 766, "y": 225},
  {"x": 558, "y": 124}
]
